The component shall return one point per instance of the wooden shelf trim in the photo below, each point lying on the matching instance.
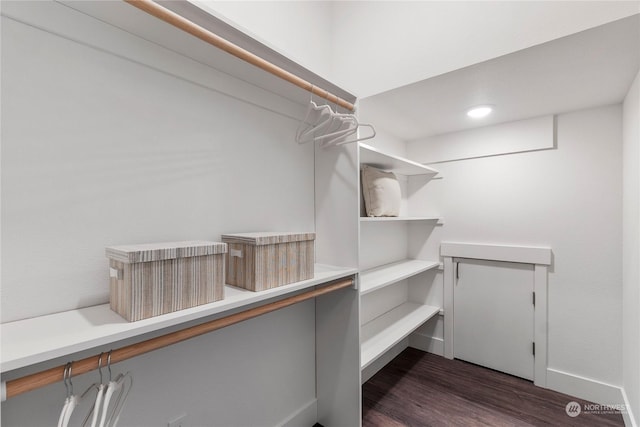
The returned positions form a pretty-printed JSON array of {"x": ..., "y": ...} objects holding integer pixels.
[{"x": 50, "y": 376}]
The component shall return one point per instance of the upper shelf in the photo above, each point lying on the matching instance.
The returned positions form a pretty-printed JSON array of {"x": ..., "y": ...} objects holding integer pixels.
[
  {"x": 379, "y": 159},
  {"x": 30, "y": 341}
]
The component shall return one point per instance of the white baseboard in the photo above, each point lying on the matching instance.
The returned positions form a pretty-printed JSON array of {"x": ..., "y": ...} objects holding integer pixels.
[
  {"x": 426, "y": 343},
  {"x": 584, "y": 388},
  {"x": 592, "y": 390},
  {"x": 629, "y": 419},
  {"x": 307, "y": 415}
]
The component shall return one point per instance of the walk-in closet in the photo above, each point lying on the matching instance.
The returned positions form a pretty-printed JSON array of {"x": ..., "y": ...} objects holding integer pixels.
[{"x": 320, "y": 213}]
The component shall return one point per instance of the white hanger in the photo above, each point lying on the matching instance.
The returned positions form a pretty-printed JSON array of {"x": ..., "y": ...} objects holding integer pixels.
[
  {"x": 120, "y": 401},
  {"x": 336, "y": 126},
  {"x": 329, "y": 127},
  {"x": 318, "y": 117},
  {"x": 109, "y": 390},
  {"x": 65, "y": 374},
  {"x": 99, "y": 397},
  {"x": 336, "y": 142},
  {"x": 112, "y": 387},
  {"x": 72, "y": 400},
  {"x": 117, "y": 385},
  {"x": 338, "y": 138},
  {"x": 347, "y": 125},
  {"x": 327, "y": 124}
]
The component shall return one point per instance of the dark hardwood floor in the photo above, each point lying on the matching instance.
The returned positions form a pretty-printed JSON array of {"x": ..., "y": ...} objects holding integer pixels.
[{"x": 422, "y": 389}]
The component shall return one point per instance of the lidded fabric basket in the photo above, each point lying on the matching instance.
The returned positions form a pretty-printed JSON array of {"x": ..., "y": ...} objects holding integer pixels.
[
  {"x": 265, "y": 260},
  {"x": 152, "y": 279}
]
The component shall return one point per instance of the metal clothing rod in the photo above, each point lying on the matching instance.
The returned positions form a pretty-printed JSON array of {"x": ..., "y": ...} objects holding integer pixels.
[
  {"x": 207, "y": 36},
  {"x": 50, "y": 376}
]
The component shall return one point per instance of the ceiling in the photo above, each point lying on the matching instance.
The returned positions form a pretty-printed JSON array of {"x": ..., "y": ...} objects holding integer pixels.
[
  {"x": 587, "y": 69},
  {"x": 371, "y": 46}
]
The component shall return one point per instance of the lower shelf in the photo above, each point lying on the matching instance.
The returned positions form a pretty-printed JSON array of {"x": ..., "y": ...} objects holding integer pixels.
[
  {"x": 383, "y": 332},
  {"x": 39, "y": 339}
]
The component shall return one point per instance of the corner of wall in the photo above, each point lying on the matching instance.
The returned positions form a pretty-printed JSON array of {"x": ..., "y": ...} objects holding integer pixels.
[
  {"x": 631, "y": 252},
  {"x": 304, "y": 416},
  {"x": 629, "y": 419},
  {"x": 427, "y": 343}
]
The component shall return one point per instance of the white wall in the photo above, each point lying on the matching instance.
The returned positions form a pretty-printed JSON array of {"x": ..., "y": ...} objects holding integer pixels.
[
  {"x": 110, "y": 152},
  {"x": 512, "y": 137},
  {"x": 631, "y": 248},
  {"x": 98, "y": 149},
  {"x": 300, "y": 30},
  {"x": 384, "y": 140},
  {"x": 569, "y": 199}
]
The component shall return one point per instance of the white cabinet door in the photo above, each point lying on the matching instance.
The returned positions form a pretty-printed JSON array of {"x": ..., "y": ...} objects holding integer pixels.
[{"x": 493, "y": 315}]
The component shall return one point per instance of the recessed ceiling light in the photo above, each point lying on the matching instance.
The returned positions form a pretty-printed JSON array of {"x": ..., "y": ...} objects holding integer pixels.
[{"x": 479, "y": 111}]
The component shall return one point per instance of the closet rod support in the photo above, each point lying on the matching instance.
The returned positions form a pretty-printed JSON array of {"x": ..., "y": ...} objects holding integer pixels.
[
  {"x": 40, "y": 379},
  {"x": 215, "y": 40}
]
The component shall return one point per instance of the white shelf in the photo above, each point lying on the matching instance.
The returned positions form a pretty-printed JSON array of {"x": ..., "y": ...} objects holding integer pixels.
[
  {"x": 382, "y": 333},
  {"x": 30, "y": 341},
  {"x": 389, "y": 274},
  {"x": 381, "y": 160},
  {"x": 399, "y": 218}
]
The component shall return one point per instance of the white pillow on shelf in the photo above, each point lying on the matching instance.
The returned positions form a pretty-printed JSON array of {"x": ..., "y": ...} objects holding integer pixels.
[{"x": 381, "y": 192}]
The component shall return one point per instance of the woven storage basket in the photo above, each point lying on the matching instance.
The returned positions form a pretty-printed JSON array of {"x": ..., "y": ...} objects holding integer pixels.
[
  {"x": 259, "y": 261},
  {"x": 153, "y": 279}
]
